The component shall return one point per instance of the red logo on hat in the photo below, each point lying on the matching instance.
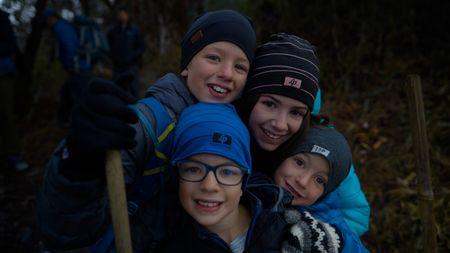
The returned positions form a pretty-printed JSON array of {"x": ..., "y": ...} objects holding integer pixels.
[{"x": 293, "y": 82}]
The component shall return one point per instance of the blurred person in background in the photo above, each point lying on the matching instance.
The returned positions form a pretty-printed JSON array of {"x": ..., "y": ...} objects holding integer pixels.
[
  {"x": 126, "y": 48},
  {"x": 9, "y": 139}
]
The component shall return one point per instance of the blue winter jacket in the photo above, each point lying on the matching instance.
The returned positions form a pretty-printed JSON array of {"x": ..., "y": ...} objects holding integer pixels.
[
  {"x": 68, "y": 43},
  {"x": 328, "y": 210},
  {"x": 353, "y": 203}
]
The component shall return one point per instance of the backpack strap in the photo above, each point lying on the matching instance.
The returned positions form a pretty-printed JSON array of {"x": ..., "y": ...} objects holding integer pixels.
[
  {"x": 164, "y": 123},
  {"x": 153, "y": 178}
]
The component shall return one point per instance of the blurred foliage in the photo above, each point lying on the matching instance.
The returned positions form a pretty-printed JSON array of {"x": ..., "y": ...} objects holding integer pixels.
[{"x": 366, "y": 49}]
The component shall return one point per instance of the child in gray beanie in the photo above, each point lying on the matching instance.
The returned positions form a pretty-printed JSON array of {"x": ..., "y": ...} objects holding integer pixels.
[{"x": 313, "y": 168}]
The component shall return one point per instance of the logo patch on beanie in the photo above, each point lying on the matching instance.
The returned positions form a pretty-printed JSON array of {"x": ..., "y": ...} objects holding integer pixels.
[
  {"x": 197, "y": 36},
  {"x": 319, "y": 150},
  {"x": 222, "y": 138},
  {"x": 293, "y": 82}
]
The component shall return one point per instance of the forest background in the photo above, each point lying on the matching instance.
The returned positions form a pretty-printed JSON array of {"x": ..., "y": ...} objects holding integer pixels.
[{"x": 367, "y": 50}]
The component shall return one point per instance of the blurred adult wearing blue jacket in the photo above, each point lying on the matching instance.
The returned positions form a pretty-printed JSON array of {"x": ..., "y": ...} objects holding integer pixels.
[{"x": 78, "y": 69}]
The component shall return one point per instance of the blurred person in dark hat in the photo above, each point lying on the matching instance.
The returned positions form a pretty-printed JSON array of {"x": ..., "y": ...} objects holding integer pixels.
[{"x": 127, "y": 46}]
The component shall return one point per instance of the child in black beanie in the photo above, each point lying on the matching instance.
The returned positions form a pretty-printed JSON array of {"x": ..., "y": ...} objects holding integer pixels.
[{"x": 72, "y": 209}]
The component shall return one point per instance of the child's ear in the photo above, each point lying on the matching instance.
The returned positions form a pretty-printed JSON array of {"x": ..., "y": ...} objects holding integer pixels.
[{"x": 184, "y": 72}]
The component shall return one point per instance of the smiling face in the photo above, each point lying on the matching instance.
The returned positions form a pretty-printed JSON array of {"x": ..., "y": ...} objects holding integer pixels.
[
  {"x": 217, "y": 73},
  {"x": 211, "y": 204},
  {"x": 305, "y": 176},
  {"x": 274, "y": 119}
]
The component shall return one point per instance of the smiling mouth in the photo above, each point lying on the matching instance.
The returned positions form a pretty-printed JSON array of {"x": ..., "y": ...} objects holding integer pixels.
[
  {"x": 271, "y": 135},
  {"x": 292, "y": 190},
  {"x": 208, "y": 204},
  {"x": 218, "y": 89}
]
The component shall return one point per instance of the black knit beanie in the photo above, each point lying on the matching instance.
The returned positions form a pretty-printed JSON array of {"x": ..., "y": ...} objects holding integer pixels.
[
  {"x": 286, "y": 65},
  {"x": 333, "y": 146},
  {"x": 214, "y": 26}
]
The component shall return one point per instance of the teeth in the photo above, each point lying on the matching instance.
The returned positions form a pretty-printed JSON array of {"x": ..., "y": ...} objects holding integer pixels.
[
  {"x": 219, "y": 89},
  {"x": 208, "y": 204},
  {"x": 272, "y": 136},
  {"x": 292, "y": 190}
]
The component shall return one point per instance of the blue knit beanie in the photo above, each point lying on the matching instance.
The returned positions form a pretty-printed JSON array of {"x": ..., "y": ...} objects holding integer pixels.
[
  {"x": 286, "y": 65},
  {"x": 212, "y": 128},
  {"x": 332, "y": 145},
  {"x": 214, "y": 26}
]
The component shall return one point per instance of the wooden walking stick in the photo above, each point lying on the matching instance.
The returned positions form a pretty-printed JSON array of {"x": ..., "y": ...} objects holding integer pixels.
[
  {"x": 420, "y": 143},
  {"x": 118, "y": 201}
]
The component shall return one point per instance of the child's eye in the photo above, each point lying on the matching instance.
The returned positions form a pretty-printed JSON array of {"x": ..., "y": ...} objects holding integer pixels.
[
  {"x": 192, "y": 170},
  {"x": 299, "y": 162},
  {"x": 268, "y": 103},
  {"x": 213, "y": 57},
  {"x": 321, "y": 181},
  {"x": 298, "y": 113},
  {"x": 242, "y": 67},
  {"x": 229, "y": 172}
]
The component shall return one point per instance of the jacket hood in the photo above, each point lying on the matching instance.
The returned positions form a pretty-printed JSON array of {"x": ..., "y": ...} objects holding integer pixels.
[{"x": 172, "y": 91}]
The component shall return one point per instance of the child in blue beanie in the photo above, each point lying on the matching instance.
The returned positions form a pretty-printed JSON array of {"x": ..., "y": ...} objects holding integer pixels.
[
  {"x": 73, "y": 211},
  {"x": 311, "y": 170},
  {"x": 213, "y": 162}
]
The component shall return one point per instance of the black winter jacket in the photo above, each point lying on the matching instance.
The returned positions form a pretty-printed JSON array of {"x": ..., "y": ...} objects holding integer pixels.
[{"x": 265, "y": 234}]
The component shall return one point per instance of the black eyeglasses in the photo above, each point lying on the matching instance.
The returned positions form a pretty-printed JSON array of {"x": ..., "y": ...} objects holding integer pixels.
[{"x": 196, "y": 171}]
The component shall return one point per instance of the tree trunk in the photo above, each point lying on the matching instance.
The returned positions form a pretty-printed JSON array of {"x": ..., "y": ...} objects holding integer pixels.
[
  {"x": 26, "y": 61},
  {"x": 85, "y": 7}
]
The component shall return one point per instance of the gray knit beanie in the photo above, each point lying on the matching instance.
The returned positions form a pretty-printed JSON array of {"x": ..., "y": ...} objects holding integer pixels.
[{"x": 333, "y": 146}]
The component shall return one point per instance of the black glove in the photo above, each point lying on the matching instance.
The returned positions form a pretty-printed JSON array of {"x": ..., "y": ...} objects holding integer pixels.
[
  {"x": 124, "y": 80},
  {"x": 100, "y": 121}
]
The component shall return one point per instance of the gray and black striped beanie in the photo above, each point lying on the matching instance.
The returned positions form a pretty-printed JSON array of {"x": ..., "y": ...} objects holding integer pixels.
[{"x": 286, "y": 65}]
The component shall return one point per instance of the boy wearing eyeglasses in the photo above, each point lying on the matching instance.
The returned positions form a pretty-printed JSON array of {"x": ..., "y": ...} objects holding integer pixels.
[{"x": 212, "y": 160}]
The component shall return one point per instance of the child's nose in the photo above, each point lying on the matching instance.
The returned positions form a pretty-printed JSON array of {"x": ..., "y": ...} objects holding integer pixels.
[
  {"x": 226, "y": 71},
  {"x": 210, "y": 183},
  {"x": 302, "y": 180},
  {"x": 280, "y": 122}
]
